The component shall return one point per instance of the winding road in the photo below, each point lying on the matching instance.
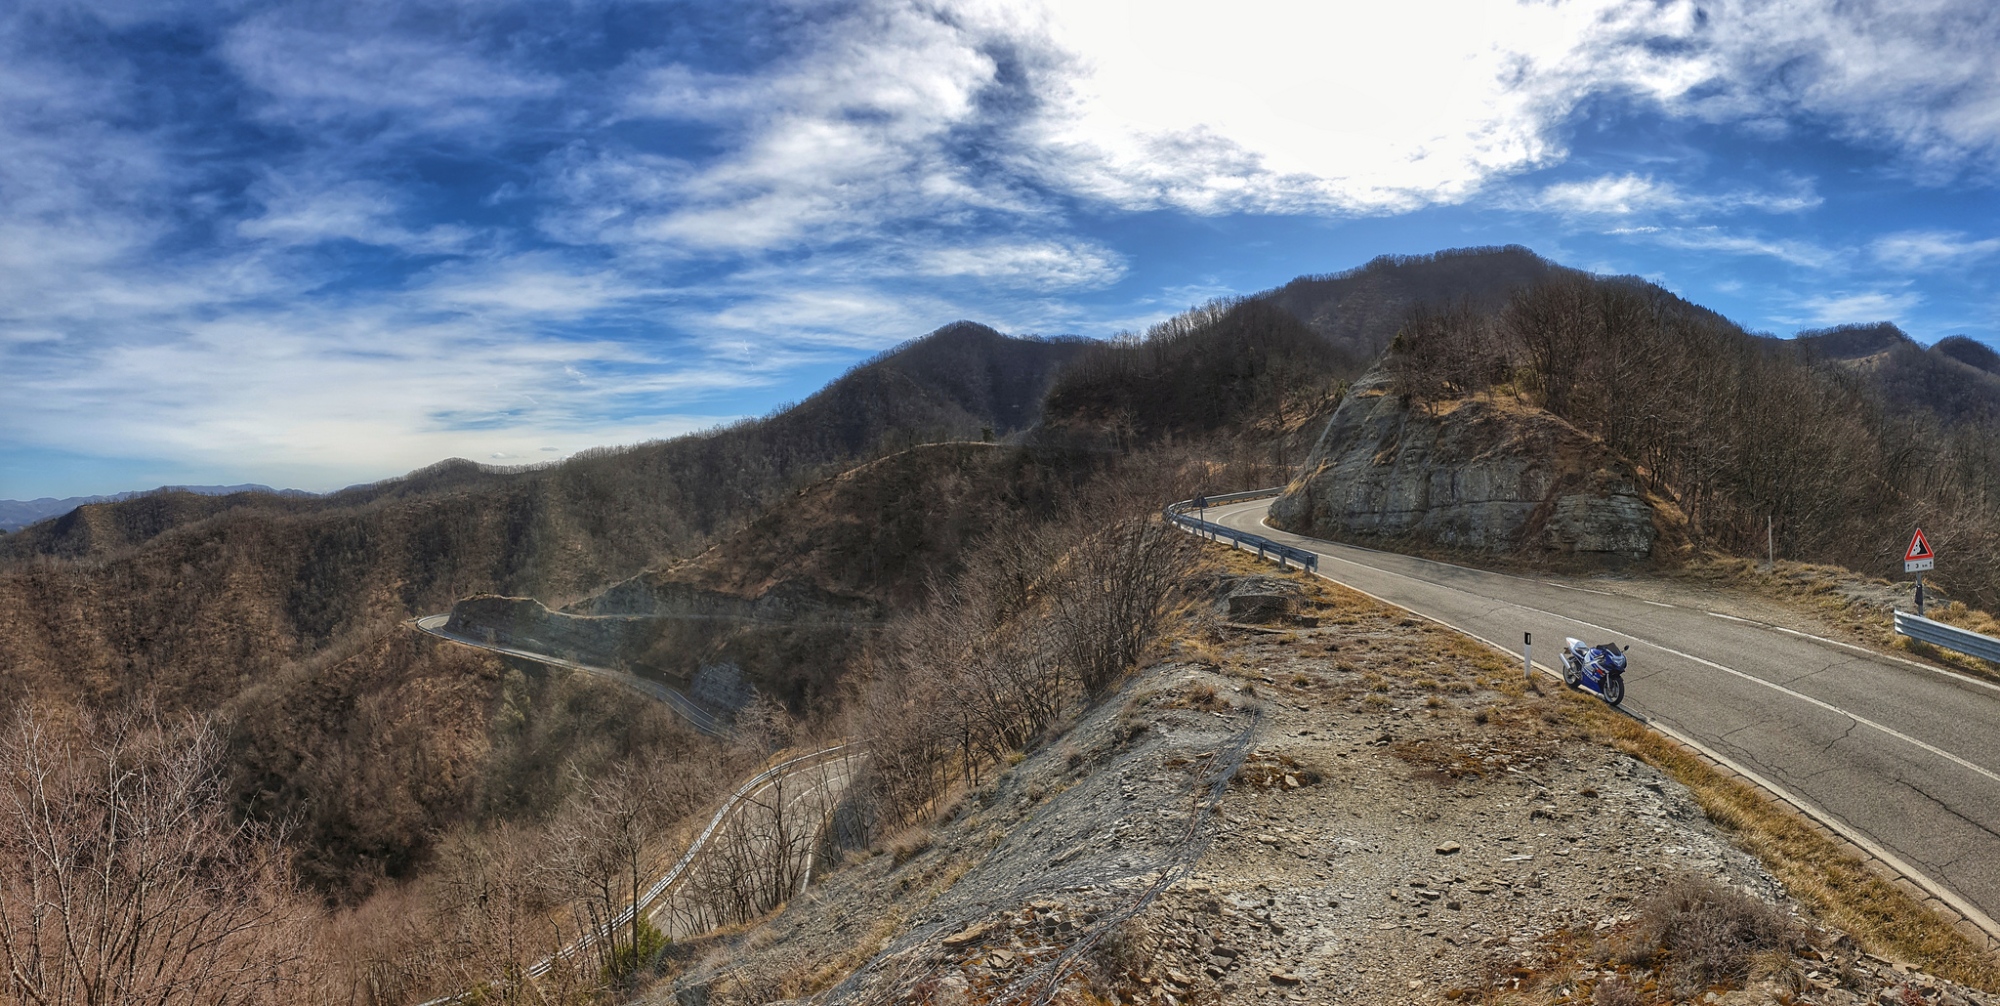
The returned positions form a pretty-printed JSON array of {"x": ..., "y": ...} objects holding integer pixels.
[
  {"x": 701, "y": 719},
  {"x": 787, "y": 803},
  {"x": 1900, "y": 757}
]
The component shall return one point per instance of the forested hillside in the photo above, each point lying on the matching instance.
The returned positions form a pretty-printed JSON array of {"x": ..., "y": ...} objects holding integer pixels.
[
  {"x": 1956, "y": 382},
  {"x": 1844, "y": 457},
  {"x": 1359, "y": 310},
  {"x": 980, "y": 509},
  {"x": 284, "y": 614}
]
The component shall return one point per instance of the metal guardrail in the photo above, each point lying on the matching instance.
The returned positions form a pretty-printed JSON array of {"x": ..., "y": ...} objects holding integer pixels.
[
  {"x": 680, "y": 867},
  {"x": 1950, "y": 637},
  {"x": 1286, "y": 554},
  {"x": 700, "y": 718}
]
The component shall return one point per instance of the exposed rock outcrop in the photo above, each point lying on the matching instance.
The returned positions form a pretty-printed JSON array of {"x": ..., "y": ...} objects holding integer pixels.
[
  {"x": 1477, "y": 475},
  {"x": 522, "y": 622}
]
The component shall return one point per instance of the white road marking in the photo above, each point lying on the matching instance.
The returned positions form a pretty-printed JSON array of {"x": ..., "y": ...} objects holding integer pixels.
[
  {"x": 1781, "y": 689},
  {"x": 1585, "y": 590},
  {"x": 1853, "y": 834}
]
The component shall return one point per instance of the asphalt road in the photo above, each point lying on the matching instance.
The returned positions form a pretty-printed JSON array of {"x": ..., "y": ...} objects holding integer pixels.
[
  {"x": 1905, "y": 756},
  {"x": 700, "y": 718}
]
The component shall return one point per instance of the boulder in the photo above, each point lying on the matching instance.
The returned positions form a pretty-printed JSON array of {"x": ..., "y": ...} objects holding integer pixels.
[{"x": 1259, "y": 599}]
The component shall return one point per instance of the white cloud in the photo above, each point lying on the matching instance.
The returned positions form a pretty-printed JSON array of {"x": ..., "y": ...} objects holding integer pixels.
[
  {"x": 355, "y": 62},
  {"x": 1913, "y": 74},
  {"x": 1289, "y": 107},
  {"x": 1632, "y": 194},
  {"x": 1859, "y": 308},
  {"x": 307, "y": 211},
  {"x": 1041, "y": 263},
  {"x": 534, "y": 285},
  {"x": 1716, "y": 239},
  {"x": 1275, "y": 107},
  {"x": 360, "y": 391},
  {"x": 1914, "y": 251}
]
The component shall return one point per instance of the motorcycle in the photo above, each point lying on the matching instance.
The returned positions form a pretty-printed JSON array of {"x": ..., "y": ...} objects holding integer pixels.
[{"x": 1600, "y": 669}]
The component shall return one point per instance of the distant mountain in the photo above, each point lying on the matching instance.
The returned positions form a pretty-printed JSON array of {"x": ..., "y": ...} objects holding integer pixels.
[
  {"x": 284, "y": 613},
  {"x": 17, "y": 514},
  {"x": 1360, "y": 310},
  {"x": 1976, "y": 355},
  {"x": 1957, "y": 380}
]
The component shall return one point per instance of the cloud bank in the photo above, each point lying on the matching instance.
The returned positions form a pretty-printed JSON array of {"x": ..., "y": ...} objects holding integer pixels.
[{"x": 365, "y": 236}]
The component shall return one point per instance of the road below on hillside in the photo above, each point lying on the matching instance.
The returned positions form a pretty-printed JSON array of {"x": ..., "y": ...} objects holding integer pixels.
[
  {"x": 1903, "y": 755},
  {"x": 701, "y": 719}
]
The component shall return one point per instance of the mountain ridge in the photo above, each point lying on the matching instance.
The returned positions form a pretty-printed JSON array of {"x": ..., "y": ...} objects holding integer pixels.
[{"x": 17, "y": 514}]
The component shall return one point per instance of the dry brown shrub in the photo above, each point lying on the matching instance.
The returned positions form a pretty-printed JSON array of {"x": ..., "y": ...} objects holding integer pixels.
[
  {"x": 1615, "y": 991},
  {"x": 1710, "y": 933}
]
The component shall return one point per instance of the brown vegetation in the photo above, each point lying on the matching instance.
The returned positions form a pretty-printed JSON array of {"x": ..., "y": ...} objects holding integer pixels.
[
  {"x": 1737, "y": 429},
  {"x": 1044, "y": 620},
  {"x": 286, "y": 614},
  {"x": 123, "y": 878},
  {"x": 1245, "y": 370}
]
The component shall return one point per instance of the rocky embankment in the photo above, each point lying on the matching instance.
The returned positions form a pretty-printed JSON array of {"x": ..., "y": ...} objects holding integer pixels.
[
  {"x": 1341, "y": 805},
  {"x": 524, "y": 623},
  {"x": 1488, "y": 475},
  {"x": 791, "y": 642}
]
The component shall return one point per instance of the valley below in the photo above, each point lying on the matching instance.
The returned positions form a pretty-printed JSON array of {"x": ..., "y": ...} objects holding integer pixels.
[
  {"x": 910, "y": 693},
  {"x": 1355, "y": 806}
]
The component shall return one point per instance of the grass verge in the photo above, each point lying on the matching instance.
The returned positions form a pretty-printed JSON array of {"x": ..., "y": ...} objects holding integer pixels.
[
  {"x": 1818, "y": 871},
  {"x": 1821, "y": 873}
]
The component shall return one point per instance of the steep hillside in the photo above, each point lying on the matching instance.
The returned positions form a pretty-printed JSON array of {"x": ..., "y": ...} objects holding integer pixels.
[
  {"x": 1954, "y": 382},
  {"x": 878, "y": 530},
  {"x": 1244, "y": 371},
  {"x": 1359, "y": 310},
  {"x": 284, "y": 614},
  {"x": 1818, "y": 439},
  {"x": 1976, "y": 355},
  {"x": 795, "y": 596}
]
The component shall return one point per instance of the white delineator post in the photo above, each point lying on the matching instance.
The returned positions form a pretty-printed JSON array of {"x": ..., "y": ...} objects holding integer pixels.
[{"x": 1528, "y": 655}]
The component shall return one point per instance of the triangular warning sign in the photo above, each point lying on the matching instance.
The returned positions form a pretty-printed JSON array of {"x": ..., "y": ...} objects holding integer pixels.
[{"x": 1920, "y": 548}]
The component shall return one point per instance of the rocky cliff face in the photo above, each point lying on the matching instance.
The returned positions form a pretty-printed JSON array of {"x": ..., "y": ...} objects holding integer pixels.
[
  {"x": 1476, "y": 475},
  {"x": 598, "y": 640}
]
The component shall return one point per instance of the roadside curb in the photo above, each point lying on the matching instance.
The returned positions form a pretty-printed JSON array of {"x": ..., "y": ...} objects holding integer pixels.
[
  {"x": 1978, "y": 928},
  {"x": 1969, "y": 921}
]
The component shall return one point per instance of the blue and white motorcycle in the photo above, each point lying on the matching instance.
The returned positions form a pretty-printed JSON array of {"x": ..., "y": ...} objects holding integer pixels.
[{"x": 1600, "y": 669}]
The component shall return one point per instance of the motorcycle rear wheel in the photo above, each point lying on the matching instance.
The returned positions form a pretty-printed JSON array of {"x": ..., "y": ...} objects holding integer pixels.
[{"x": 1614, "y": 688}]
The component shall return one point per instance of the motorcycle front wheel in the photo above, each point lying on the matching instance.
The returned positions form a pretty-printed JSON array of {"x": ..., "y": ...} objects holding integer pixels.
[
  {"x": 1572, "y": 674},
  {"x": 1614, "y": 688}
]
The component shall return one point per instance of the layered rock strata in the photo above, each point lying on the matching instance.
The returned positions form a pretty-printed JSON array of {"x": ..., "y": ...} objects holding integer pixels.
[{"x": 1478, "y": 475}]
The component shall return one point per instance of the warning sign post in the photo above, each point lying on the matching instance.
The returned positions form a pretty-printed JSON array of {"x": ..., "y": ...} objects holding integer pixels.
[{"x": 1917, "y": 558}]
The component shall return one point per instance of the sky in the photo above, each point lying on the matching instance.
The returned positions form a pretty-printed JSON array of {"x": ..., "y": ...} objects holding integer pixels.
[{"x": 313, "y": 244}]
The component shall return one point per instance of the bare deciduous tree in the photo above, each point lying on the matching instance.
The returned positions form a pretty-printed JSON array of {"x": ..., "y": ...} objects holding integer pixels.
[{"x": 123, "y": 879}]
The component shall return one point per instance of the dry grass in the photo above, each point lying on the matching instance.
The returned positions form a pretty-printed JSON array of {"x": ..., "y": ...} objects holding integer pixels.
[
  {"x": 1858, "y": 605},
  {"x": 1709, "y": 933},
  {"x": 1820, "y": 873},
  {"x": 1838, "y": 887}
]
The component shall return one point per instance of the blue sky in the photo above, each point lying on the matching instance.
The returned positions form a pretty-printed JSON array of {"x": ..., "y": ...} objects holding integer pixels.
[{"x": 311, "y": 244}]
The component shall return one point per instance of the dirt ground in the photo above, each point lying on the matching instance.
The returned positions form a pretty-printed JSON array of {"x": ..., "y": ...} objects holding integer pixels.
[{"x": 1341, "y": 804}]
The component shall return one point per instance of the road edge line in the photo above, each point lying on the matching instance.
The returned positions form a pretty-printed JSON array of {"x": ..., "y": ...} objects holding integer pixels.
[
  {"x": 1873, "y": 854},
  {"x": 1946, "y": 671}
]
